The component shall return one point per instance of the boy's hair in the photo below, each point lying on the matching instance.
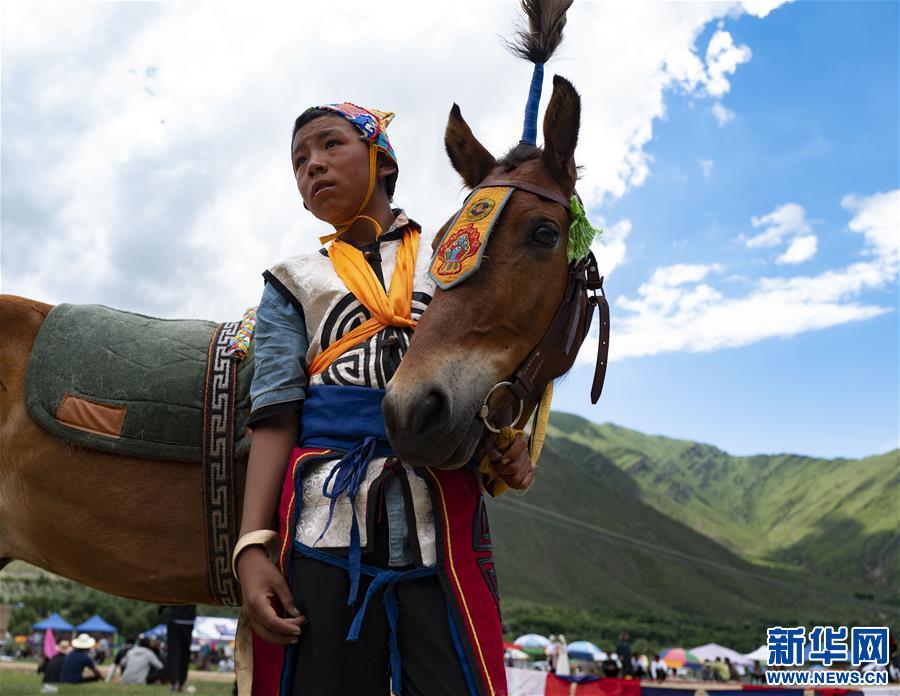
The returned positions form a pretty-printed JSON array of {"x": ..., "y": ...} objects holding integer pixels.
[{"x": 313, "y": 113}]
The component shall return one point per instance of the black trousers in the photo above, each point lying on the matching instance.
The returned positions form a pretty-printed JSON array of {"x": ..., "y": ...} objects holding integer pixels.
[
  {"x": 179, "y": 642},
  {"x": 330, "y": 665}
]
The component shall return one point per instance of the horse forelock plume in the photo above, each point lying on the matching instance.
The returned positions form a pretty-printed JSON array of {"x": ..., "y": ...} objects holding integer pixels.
[{"x": 546, "y": 20}]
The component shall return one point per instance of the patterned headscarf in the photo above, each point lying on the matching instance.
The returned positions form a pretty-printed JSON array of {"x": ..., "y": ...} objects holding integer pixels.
[{"x": 372, "y": 123}]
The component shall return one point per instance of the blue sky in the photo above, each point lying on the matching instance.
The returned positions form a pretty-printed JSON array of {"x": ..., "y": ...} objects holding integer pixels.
[
  {"x": 741, "y": 156},
  {"x": 816, "y": 118}
]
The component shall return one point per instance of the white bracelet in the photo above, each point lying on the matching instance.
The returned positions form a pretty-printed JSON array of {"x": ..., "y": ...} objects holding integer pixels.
[{"x": 260, "y": 537}]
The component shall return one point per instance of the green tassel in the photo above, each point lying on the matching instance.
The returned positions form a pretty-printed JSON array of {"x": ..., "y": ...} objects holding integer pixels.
[{"x": 581, "y": 232}]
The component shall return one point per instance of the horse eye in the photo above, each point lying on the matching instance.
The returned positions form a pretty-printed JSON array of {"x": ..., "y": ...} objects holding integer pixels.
[{"x": 545, "y": 236}]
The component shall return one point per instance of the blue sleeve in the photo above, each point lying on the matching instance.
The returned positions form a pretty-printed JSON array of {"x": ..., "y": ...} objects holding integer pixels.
[{"x": 280, "y": 344}]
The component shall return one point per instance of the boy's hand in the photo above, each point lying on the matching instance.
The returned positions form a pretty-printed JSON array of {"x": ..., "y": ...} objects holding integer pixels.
[
  {"x": 513, "y": 466},
  {"x": 261, "y": 583}
]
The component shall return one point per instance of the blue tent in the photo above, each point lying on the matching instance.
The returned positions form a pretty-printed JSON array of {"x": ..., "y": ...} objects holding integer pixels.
[
  {"x": 54, "y": 621},
  {"x": 158, "y": 631},
  {"x": 96, "y": 625}
]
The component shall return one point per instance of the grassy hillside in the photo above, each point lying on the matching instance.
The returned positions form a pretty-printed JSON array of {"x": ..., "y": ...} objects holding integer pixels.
[
  {"x": 671, "y": 540},
  {"x": 834, "y": 517}
]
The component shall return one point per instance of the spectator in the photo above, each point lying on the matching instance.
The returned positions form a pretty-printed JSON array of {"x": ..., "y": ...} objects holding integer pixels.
[
  {"x": 623, "y": 649},
  {"x": 721, "y": 670},
  {"x": 137, "y": 662},
  {"x": 637, "y": 666},
  {"x": 102, "y": 650},
  {"x": 53, "y": 668},
  {"x": 117, "y": 658},
  {"x": 756, "y": 674},
  {"x": 158, "y": 675},
  {"x": 658, "y": 668},
  {"x": 733, "y": 674},
  {"x": 611, "y": 666},
  {"x": 552, "y": 653},
  {"x": 73, "y": 667},
  {"x": 179, "y": 627}
]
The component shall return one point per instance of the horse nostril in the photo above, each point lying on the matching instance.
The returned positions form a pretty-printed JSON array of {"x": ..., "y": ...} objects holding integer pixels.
[{"x": 433, "y": 413}]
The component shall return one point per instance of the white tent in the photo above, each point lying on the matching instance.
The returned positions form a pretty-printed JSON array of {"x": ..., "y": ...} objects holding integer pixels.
[
  {"x": 532, "y": 640},
  {"x": 711, "y": 651},
  {"x": 214, "y": 628},
  {"x": 761, "y": 654}
]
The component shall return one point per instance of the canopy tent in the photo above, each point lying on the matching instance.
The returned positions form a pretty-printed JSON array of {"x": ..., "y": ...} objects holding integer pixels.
[
  {"x": 761, "y": 654},
  {"x": 710, "y": 651},
  {"x": 95, "y": 624},
  {"x": 214, "y": 628},
  {"x": 533, "y": 644},
  {"x": 158, "y": 631},
  {"x": 54, "y": 621},
  {"x": 206, "y": 628},
  {"x": 585, "y": 650}
]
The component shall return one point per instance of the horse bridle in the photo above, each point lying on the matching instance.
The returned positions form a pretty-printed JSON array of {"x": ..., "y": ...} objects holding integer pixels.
[{"x": 569, "y": 326}]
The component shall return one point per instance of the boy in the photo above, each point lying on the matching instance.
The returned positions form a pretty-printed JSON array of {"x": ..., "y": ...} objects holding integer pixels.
[{"x": 331, "y": 330}]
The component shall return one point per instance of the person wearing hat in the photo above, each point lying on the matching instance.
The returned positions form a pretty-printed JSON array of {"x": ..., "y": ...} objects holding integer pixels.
[
  {"x": 355, "y": 522},
  {"x": 72, "y": 671}
]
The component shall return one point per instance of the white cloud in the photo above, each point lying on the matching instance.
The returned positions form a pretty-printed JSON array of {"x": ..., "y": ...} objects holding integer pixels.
[
  {"x": 762, "y": 8},
  {"x": 801, "y": 249},
  {"x": 145, "y": 146},
  {"x": 706, "y": 166},
  {"x": 721, "y": 113},
  {"x": 610, "y": 248},
  {"x": 722, "y": 59},
  {"x": 679, "y": 309},
  {"x": 877, "y": 219},
  {"x": 786, "y": 220}
]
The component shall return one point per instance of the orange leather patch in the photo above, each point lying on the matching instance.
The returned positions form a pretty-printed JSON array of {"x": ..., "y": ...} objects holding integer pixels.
[{"x": 90, "y": 416}]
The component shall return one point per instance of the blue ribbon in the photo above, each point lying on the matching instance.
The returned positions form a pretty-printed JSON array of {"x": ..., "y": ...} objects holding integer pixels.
[
  {"x": 381, "y": 578},
  {"x": 529, "y": 130},
  {"x": 346, "y": 478}
]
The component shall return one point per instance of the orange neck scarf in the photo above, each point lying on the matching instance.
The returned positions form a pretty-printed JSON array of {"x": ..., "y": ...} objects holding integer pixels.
[{"x": 386, "y": 309}]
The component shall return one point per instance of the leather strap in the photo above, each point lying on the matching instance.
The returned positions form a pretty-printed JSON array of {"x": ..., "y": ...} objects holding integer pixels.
[
  {"x": 568, "y": 329},
  {"x": 595, "y": 283},
  {"x": 536, "y": 189}
]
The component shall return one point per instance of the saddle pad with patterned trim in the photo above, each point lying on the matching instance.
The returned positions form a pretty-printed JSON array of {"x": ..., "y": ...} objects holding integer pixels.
[{"x": 130, "y": 384}]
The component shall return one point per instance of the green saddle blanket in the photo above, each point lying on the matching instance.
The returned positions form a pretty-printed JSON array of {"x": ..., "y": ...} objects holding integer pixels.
[{"x": 135, "y": 385}]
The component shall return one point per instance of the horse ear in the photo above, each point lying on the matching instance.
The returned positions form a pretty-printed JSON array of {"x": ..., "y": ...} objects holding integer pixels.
[
  {"x": 561, "y": 123},
  {"x": 468, "y": 156}
]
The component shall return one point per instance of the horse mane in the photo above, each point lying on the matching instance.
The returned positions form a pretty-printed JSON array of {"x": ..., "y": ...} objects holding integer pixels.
[
  {"x": 518, "y": 154},
  {"x": 524, "y": 152},
  {"x": 546, "y": 20}
]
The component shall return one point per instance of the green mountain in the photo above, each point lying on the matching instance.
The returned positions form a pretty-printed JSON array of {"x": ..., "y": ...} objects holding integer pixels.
[
  {"x": 659, "y": 531},
  {"x": 837, "y": 517}
]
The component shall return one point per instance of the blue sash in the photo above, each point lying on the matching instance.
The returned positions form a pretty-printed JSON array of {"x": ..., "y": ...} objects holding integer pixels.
[{"x": 348, "y": 420}]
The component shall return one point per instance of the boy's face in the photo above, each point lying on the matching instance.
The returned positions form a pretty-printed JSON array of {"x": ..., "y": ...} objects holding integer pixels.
[{"x": 331, "y": 164}]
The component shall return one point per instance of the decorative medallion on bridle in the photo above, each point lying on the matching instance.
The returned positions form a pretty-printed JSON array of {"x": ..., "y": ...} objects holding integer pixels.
[{"x": 462, "y": 248}]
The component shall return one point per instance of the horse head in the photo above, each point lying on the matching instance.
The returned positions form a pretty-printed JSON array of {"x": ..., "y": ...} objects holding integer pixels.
[{"x": 476, "y": 335}]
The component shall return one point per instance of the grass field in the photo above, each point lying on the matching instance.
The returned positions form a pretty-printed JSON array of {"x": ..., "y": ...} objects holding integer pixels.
[{"x": 21, "y": 683}]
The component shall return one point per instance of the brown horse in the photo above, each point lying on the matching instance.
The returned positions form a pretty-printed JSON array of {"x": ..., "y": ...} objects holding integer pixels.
[
  {"x": 136, "y": 527},
  {"x": 127, "y": 526},
  {"x": 475, "y": 335}
]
